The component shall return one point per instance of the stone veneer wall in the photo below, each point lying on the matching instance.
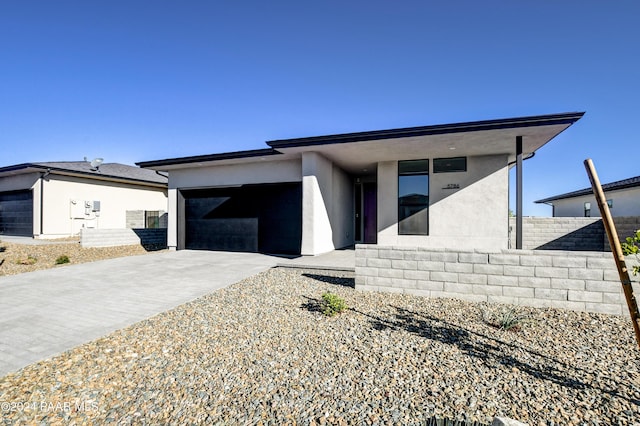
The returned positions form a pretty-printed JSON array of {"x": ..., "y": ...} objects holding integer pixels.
[{"x": 582, "y": 281}]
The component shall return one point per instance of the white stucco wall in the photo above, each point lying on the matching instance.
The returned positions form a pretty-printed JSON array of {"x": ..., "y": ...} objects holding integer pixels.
[
  {"x": 115, "y": 199},
  {"x": 317, "y": 200},
  {"x": 475, "y": 215},
  {"x": 327, "y": 205},
  {"x": 626, "y": 202},
  {"x": 172, "y": 218}
]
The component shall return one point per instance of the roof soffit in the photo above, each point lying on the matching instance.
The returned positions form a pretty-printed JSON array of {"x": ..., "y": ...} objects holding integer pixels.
[{"x": 355, "y": 157}]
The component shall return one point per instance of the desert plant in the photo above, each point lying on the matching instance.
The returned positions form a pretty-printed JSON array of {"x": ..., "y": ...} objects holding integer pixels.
[
  {"x": 30, "y": 260},
  {"x": 438, "y": 421},
  {"x": 332, "y": 304},
  {"x": 62, "y": 259},
  {"x": 631, "y": 246},
  {"x": 505, "y": 319}
]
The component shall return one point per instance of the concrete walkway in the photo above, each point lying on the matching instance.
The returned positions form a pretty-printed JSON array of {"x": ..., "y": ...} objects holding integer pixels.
[
  {"x": 337, "y": 260},
  {"x": 44, "y": 313}
]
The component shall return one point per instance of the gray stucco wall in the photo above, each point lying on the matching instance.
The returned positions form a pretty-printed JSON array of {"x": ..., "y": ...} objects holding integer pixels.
[
  {"x": 342, "y": 209},
  {"x": 582, "y": 281},
  {"x": 465, "y": 208}
]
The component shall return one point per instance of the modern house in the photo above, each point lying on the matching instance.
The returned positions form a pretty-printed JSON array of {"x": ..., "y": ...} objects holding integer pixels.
[
  {"x": 58, "y": 199},
  {"x": 431, "y": 186},
  {"x": 623, "y": 197}
]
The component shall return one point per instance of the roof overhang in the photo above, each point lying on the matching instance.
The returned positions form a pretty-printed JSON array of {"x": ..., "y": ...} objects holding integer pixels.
[
  {"x": 26, "y": 168},
  {"x": 360, "y": 152},
  {"x": 236, "y": 157}
]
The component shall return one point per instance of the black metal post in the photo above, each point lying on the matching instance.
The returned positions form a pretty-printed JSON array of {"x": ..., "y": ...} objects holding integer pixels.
[{"x": 519, "y": 192}]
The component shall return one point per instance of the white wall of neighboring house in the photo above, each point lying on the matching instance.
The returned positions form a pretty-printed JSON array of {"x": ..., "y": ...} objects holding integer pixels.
[
  {"x": 625, "y": 202},
  {"x": 475, "y": 215},
  {"x": 64, "y": 200}
]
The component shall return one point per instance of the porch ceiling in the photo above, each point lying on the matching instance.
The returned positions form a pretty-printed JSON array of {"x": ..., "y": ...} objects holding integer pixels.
[{"x": 363, "y": 156}]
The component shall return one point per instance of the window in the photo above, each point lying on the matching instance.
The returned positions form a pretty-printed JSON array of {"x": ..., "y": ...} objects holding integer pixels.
[
  {"x": 413, "y": 197},
  {"x": 449, "y": 165},
  {"x": 587, "y": 209},
  {"x": 610, "y": 203},
  {"x": 152, "y": 219}
]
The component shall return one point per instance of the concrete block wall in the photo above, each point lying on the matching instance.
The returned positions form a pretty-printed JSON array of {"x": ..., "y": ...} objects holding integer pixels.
[
  {"x": 625, "y": 226},
  {"x": 135, "y": 219},
  {"x": 581, "y": 281},
  {"x": 90, "y": 237},
  {"x": 559, "y": 233},
  {"x": 569, "y": 233}
]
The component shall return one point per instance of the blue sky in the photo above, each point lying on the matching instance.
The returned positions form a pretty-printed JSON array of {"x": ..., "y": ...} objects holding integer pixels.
[{"x": 140, "y": 80}]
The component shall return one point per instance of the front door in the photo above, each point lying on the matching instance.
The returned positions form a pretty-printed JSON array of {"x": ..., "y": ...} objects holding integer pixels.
[
  {"x": 366, "y": 222},
  {"x": 370, "y": 212}
]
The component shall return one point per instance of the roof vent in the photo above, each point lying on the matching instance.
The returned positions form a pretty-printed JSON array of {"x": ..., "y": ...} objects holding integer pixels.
[{"x": 95, "y": 164}]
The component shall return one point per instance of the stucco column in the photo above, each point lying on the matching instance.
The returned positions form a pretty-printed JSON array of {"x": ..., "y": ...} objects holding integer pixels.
[
  {"x": 37, "y": 190},
  {"x": 172, "y": 219},
  {"x": 317, "y": 234}
]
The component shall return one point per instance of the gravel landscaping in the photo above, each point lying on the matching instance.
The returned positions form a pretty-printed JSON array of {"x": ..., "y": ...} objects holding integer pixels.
[
  {"x": 262, "y": 352},
  {"x": 19, "y": 258}
]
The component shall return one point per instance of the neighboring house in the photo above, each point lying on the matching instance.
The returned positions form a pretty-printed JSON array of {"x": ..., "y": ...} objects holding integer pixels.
[
  {"x": 58, "y": 199},
  {"x": 432, "y": 186},
  {"x": 622, "y": 196}
]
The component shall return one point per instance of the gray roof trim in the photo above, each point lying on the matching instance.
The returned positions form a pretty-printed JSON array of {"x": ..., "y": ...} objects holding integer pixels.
[
  {"x": 472, "y": 126},
  {"x": 613, "y": 186},
  {"x": 106, "y": 171},
  {"x": 210, "y": 157}
]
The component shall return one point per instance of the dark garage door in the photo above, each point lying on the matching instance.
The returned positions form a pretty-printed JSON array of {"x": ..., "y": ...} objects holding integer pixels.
[
  {"x": 16, "y": 213},
  {"x": 254, "y": 218}
]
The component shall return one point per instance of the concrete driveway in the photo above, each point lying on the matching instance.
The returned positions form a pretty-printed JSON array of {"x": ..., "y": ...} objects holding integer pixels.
[{"x": 44, "y": 313}]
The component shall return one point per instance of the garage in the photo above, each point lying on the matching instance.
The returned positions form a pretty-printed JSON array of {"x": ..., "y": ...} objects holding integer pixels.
[
  {"x": 16, "y": 213},
  {"x": 264, "y": 218}
]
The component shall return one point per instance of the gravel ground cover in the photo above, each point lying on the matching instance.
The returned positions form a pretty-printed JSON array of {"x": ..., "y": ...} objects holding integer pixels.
[
  {"x": 19, "y": 258},
  {"x": 261, "y": 352}
]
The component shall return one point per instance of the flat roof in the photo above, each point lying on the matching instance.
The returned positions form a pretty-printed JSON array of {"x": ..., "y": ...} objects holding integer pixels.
[{"x": 613, "y": 186}]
